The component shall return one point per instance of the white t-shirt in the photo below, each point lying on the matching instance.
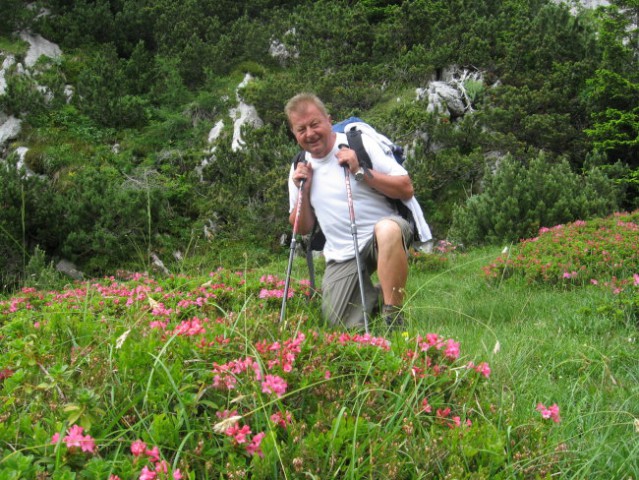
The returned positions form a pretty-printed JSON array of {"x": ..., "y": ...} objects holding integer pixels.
[{"x": 329, "y": 200}]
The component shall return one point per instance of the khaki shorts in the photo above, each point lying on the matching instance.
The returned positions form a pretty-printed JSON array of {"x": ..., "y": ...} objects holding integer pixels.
[{"x": 341, "y": 298}]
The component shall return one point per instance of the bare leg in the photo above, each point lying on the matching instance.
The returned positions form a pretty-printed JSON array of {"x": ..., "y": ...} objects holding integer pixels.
[{"x": 392, "y": 263}]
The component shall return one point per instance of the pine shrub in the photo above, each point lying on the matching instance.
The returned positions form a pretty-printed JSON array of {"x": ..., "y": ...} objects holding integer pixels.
[{"x": 518, "y": 199}]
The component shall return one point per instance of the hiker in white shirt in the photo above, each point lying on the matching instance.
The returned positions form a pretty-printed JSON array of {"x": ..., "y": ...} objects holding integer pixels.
[{"x": 383, "y": 236}]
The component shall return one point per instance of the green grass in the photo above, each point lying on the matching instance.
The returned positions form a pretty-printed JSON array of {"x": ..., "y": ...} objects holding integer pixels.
[
  {"x": 545, "y": 345},
  {"x": 141, "y": 358},
  {"x": 13, "y": 46}
]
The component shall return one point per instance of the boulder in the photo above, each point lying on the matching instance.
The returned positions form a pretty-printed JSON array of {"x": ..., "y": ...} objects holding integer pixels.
[
  {"x": 68, "y": 268},
  {"x": 7, "y": 63},
  {"x": 38, "y": 46},
  {"x": 9, "y": 128}
]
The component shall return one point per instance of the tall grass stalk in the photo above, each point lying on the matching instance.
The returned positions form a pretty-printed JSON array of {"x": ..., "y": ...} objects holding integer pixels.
[{"x": 23, "y": 224}]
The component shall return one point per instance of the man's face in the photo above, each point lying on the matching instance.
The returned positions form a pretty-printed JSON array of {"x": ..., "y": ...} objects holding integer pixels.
[{"x": 312, "y": 130}]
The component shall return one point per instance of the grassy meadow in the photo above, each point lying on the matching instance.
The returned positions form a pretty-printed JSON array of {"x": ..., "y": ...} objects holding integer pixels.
[{"x": 518, "y": 361}]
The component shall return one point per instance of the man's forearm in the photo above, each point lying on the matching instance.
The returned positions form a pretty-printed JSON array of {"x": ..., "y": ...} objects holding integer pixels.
[{"x": 393, "y": 186}]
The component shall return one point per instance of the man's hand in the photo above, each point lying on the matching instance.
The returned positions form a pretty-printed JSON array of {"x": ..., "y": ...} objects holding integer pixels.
[
  {"x": 348, "y": 158},
  {"x": 304, "y": 171}
]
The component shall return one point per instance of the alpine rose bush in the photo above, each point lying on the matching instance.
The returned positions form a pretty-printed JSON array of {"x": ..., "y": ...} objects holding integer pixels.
[
  {"x": 602, "y": 253},
  {"x": 133, "y": 377}
]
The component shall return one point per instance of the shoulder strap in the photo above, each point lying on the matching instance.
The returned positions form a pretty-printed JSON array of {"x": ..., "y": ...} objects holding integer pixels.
[
  {"x": 354, "y": 138},
  {"x": 355, "y": 142},
  {"x": 299, "y": 156}
]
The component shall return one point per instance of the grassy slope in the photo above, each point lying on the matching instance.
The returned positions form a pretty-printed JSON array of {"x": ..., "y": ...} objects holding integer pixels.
[{"x": 544, "y": 345}]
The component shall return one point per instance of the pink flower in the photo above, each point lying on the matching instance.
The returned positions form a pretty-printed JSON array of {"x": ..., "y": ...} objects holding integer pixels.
[
  {"x": 238, "y": 433},
  {"x": 443, "y": 413},
  {"x": 426, "y": 407},
  {"x": 74, "y": 436},
  {"x": 177, "y": 475},
  {"x": 75, "y": 439},
  {"x": 226, "y": 414},
  {"x": 282, "y": 420},
  {"x": 551, "y": 412},
  {"x": 452, "y": 349},
  {"x": 162, "y": 466},
  {"x": 114, "y": 477},
  {"x": 87, "y": 444},
  {"x": 153, "y": 454},
  {"x": 253, "y": 448},
  {"x": 484, "y": 369},
  {"x": 636, "y": 279},
  {"x": 138, "y": 447},
  {"x": 147, "y": 474},
  {"x": 274, "y": 384},
  {"x": 431, "y": 338}
]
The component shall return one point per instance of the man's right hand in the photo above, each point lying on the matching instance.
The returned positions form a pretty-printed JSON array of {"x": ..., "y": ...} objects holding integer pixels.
[{"x": 304, "y": 171}]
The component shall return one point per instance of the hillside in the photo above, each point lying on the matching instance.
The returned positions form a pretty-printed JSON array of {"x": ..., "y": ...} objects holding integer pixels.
[{"x": 154, "y": 129}]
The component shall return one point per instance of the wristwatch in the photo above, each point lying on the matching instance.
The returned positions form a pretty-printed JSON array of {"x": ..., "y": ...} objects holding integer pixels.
[{"x": 359, "y": 175}]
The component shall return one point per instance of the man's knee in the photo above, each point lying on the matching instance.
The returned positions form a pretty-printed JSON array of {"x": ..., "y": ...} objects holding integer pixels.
[{"x": 387, "y": 231}]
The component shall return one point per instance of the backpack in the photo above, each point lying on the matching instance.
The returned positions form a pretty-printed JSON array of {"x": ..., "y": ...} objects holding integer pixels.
[{"x": 355, "y": 128}]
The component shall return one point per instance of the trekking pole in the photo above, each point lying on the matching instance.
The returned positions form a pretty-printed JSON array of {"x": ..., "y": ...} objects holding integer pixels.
[
  {"x": 291, "y": 256},
  {"x": 351, "y": 211}
]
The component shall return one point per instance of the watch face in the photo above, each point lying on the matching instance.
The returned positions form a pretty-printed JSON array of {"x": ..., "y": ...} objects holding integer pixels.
[{"x": 359, "y": 176}]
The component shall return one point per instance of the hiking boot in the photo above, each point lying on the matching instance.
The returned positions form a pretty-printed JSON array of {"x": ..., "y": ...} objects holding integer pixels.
[{"x": 392, "y": 315}]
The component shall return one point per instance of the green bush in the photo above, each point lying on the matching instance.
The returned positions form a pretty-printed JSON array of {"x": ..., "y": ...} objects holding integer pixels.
[
  {"x": 116, "y": 220},
  {"x": 101, "y": 91},
  {"x": 247, "y": 188},
  {"x": 517, "y": 200},
  {"x": 31, "y": 215},
  {"x": 21, "y": 96}
]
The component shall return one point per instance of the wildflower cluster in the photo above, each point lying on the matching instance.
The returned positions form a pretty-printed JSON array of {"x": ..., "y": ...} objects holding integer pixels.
[
  {"x": 602, "y": 252},
  {"x": 74, "y": 439},
  {"x": 273, "y": 288},
  {"x": 435, "y": 260},
  {"x": 551, "y": 412},
  {"x": 155, "y": 468},
  {"x": 216, "y": 391}
]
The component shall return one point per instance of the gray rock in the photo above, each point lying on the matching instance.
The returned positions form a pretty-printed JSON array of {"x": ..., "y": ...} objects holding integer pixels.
[{"x": 68, "y": 268}]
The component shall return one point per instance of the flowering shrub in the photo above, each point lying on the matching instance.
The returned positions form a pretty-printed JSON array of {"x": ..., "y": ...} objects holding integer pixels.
[
  {"x": 132, "y": 377},
  {"x": 436, "y": 260},
  {"x": 600, "y": 252}
]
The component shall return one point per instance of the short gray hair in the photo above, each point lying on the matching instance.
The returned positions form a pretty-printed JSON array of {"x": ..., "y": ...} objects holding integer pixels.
[{"x": 298, "y": 101}]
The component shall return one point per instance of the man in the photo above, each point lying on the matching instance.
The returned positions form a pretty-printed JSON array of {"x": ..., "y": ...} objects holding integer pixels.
[{"x": 383, "y": 236}]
